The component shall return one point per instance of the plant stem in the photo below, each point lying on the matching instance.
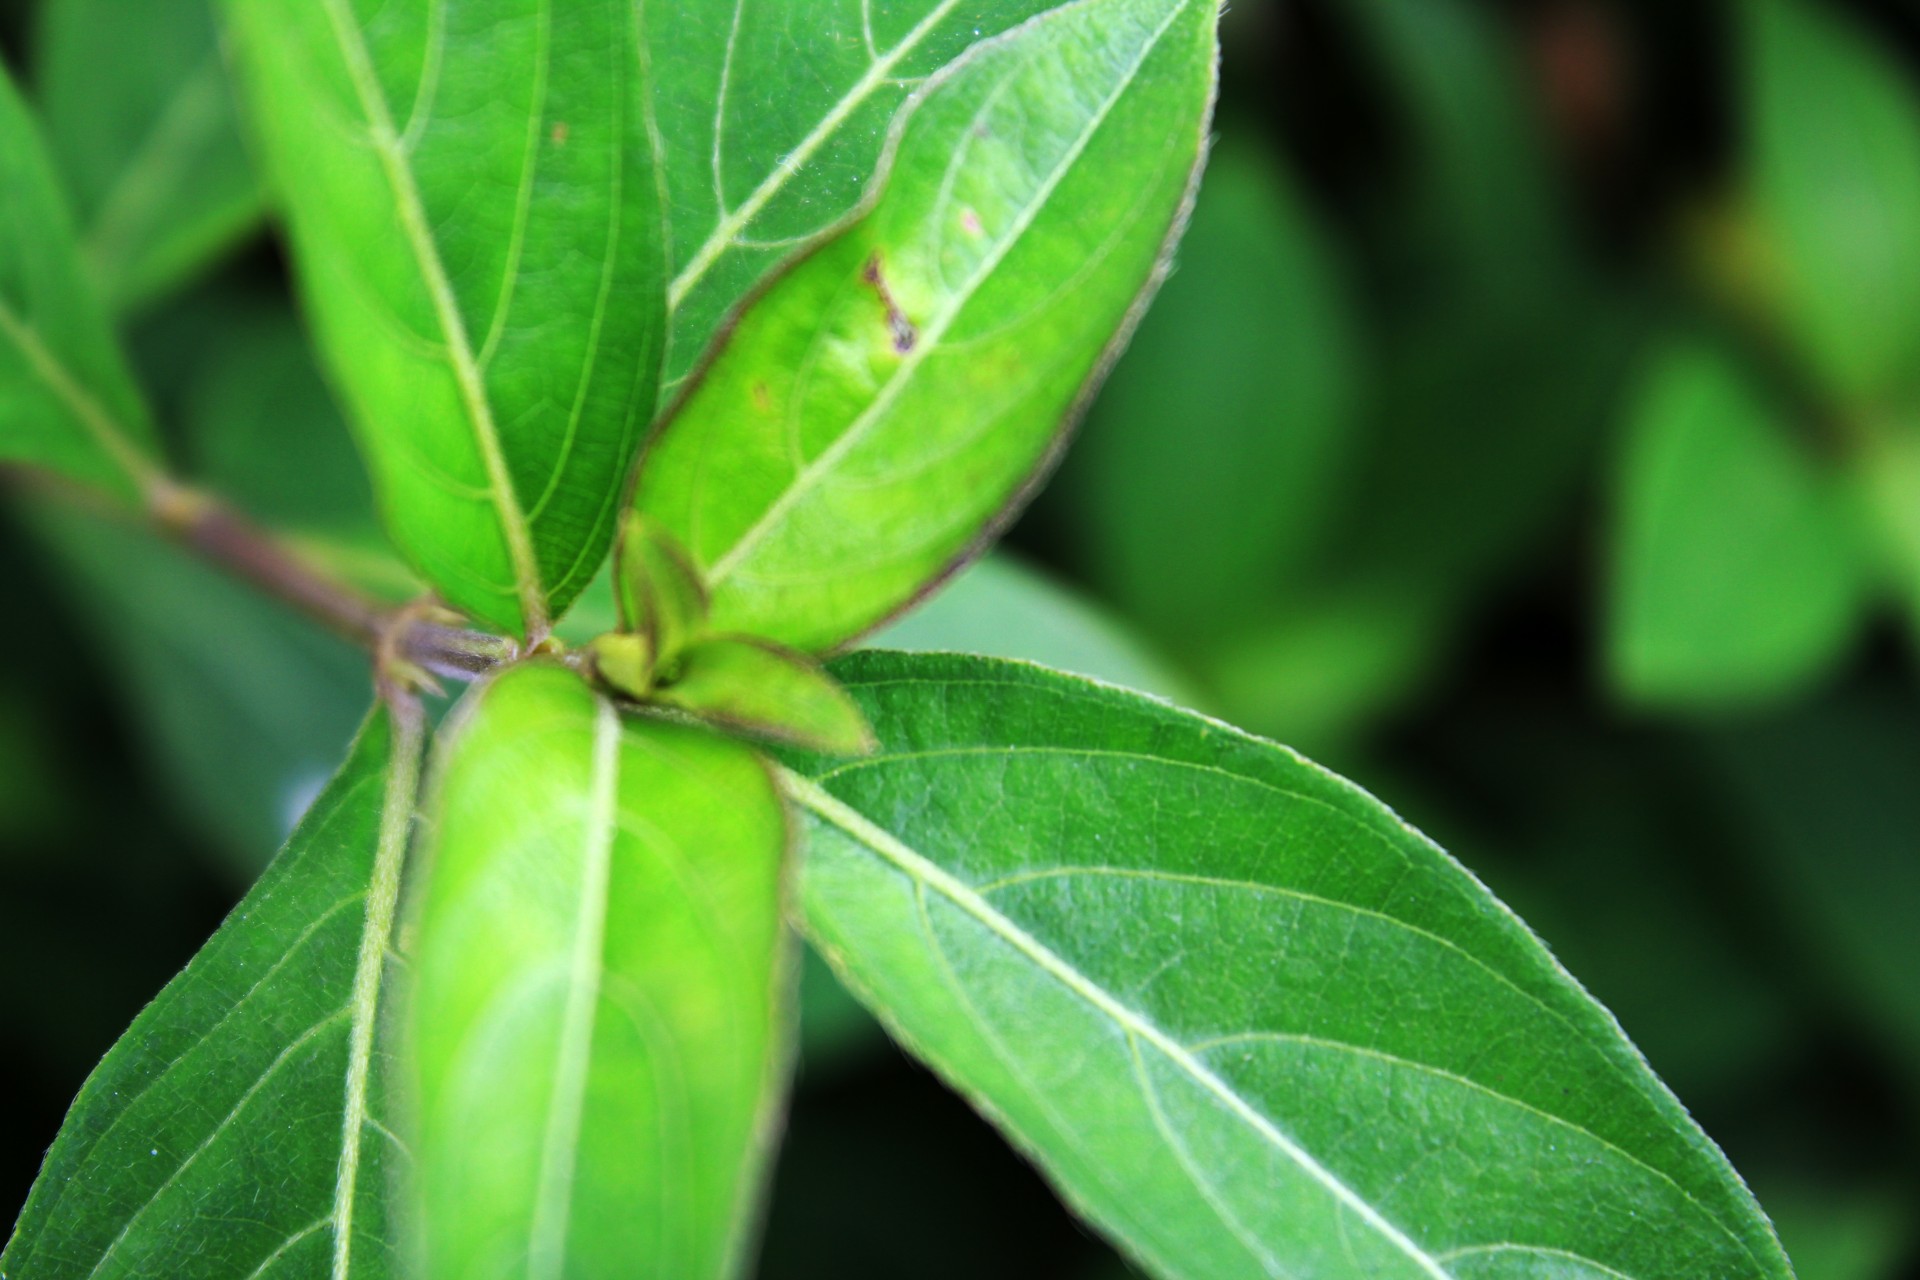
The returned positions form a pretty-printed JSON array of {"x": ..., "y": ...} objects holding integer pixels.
[{"x": 402, "y": 634}]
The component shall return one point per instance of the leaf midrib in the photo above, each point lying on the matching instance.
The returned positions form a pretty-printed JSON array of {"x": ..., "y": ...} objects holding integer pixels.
[
  {"x": 732, "y": 223},
  {"x": 566, "y": 1106},
  {"x": 164, "y": 156},
  {"x": 376, "y": 934},
  {"x": 93, "y": 417},
  {"x": 923, "y": 871},
  {"x": 466, "y": 367},
  {"x": 937, "y": 326}
]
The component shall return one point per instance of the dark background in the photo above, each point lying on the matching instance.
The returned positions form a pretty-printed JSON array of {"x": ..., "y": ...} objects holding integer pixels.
[{"x": 1740, "y": 882}]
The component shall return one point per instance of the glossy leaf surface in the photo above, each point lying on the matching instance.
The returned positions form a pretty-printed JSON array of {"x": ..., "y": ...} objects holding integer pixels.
[
  {"x": 759, "y": 160},
  {"x": 1738, "y": 573},
  {"x": 884, "y": 405},
  {"x": 474, "y": 215},
  {"x": 67, "y": 401},
  {"x": 240, "y": 1128},
  {"x": 142, "y": 123},
  {"x": 1249, "y": 1022},
  {"x": 598, "y": 1024},
  {"x": 1835, "y": 157}
]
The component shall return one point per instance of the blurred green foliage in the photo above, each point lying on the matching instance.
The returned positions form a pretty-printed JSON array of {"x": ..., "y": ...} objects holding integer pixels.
[{"x": 1531, "y": 428}]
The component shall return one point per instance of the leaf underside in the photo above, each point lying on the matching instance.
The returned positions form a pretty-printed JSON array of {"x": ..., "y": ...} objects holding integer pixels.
[
  {"x": 1249, "y": 1022},
  {"x": 478, "y": 236},
  {"x": 759, "y": 161},
  {"x": 886, "y": 402},
  {"x": 143, "y": 124},
  {"x": 240, "y": 1127},
  {"x": 598, "y": 1026},
  {"x": 67, "y": 399}
]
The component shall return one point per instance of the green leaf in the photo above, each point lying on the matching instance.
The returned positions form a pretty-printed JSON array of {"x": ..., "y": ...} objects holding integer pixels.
[
  {"x": 142, "y": 122},
  {"x": 67, "y": 400},
  {"x": 659, "y": 591},
  {"x": 1835, "y": 176},
  {"x": 242, "y": 706},
  {"x": 1737, "y": 572},
  {"x": 240, "y": 1127},
  {"x": 1219, "y": 448},
  {"x": 1249, "y": 1022},
  {"x": 758, "y": 160},
  {"x": 598, "y": 1027},
  {"x": 757, "y": 688},
  {"x": 474, "y": 216},
  {"x": 263, "y": 432},
  {"x": 886, "y": 404}
]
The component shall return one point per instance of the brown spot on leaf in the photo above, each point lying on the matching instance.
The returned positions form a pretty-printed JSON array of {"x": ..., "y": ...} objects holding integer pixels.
[
  {"x": 560, "y": 132},
  {"x": 906, "y": 336},
  {"x": 762, "y": 397}
]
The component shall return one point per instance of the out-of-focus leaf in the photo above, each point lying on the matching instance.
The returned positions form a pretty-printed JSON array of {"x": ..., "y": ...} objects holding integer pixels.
[
  {"x": 240, "y": 1127},
  {"x": 759, "y": 160},
  {"x": 1835, "y": 174},
  {"x": 598, "y": 1025},
  {"x": 243, "y": 705},
  {"x": 476, "y": 224},
  {"x": 1737, "y": 574},
  {"x": 1326, "y": 667},
  {"x": 1480, "y": 187},
  {"x": 1220, "y": 443},
  {"x": 1826, "y": 797},
  {"x": 1501, "y": 346},
  {"x": 262, "y": 430},
  {"x": 835, "y": 1028},
  {"x": 1053, "y": 892},
  {"x": 1889, "y": 477},
  {"x": 1003, "y": 608},
  {"x": 142, "y": 123},
  {"x": 1599, "y": 842},
  {"x": 886, "y": 403},
  {"x": 67, "y": 401},
  {"x": 1841, "y": 1233}
]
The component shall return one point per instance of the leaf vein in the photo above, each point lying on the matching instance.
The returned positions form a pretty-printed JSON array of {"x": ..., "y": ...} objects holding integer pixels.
[{"x": 920, "y": 869}]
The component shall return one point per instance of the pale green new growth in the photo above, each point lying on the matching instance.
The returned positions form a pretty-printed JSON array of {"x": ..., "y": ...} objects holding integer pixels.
[
  {"x": 597, "y": 1022},
  {"x": 765, "y": 691},
  {"x": 658, "y": 590},
  {"x": 886, "y": 401}
]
